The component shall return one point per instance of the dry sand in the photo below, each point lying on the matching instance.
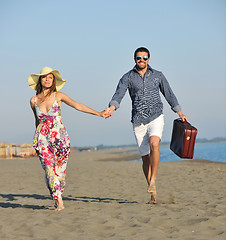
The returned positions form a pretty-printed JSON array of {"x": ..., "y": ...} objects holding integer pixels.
[{"x": 105, "y": 198}]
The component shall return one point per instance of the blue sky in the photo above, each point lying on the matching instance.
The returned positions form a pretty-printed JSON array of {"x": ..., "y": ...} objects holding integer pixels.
[{"x": 92, "y": 44}]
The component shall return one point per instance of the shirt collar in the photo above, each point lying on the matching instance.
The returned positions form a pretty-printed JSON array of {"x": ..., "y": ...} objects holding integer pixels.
[{"x": 149, "y": 68}]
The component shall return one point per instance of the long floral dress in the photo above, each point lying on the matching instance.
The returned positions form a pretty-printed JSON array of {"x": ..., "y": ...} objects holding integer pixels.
[{"x": 52, "y": 145}]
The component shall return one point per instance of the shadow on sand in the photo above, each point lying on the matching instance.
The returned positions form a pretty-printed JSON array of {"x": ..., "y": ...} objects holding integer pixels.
[{"x": 10, "y": 199}]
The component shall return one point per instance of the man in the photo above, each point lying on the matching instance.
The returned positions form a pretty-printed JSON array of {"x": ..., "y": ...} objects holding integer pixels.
[{"x": 144, "y": 83}]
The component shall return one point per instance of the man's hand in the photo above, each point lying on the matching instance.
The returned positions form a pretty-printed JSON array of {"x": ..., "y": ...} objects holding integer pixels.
[{"x": 182, "y": 116}]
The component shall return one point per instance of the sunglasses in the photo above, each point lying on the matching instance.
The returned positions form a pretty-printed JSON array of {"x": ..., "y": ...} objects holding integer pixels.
[{"x": 145, "y": 58}]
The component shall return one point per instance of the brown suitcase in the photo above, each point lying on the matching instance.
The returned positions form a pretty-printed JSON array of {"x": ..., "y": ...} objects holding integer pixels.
[{"x": 183, "y": 139}]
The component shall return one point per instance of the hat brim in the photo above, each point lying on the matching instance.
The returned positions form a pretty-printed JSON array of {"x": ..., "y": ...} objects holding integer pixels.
[{"x": 33, "y": 79}]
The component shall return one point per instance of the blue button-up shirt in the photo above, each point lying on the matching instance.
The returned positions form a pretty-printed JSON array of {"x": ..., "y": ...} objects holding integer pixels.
[{"x": 145, "y": 94}]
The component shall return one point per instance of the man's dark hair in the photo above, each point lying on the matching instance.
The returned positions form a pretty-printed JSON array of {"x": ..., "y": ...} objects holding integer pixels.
[{"x": 141, "y": 49}]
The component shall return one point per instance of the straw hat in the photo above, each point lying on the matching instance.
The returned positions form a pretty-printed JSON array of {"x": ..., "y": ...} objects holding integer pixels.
[{"x": 33, "y": 78}]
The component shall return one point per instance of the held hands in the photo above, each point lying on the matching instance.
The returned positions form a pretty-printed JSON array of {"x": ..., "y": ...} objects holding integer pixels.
[{"x": 106, "y": 113}]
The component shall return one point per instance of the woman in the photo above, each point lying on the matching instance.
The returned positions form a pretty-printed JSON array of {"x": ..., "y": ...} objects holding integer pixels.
[{"x": 51, "y": 140}]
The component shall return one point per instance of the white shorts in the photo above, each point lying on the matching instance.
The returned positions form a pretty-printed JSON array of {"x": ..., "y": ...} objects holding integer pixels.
[{"x": 144, "y": 132}]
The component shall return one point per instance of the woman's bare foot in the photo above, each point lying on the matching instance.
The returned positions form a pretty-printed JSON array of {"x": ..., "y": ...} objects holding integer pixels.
[
  {"x": 152, "y": 191},
  {"x": 153, "y": 199},
  {"x": 151, "y": 188},
  {"x": 59, "y": 205}
]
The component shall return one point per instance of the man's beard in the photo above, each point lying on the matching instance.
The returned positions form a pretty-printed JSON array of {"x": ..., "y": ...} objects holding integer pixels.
[{"x": 140, "y": 68}]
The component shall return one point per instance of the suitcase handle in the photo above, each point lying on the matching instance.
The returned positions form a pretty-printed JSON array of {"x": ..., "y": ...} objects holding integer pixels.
[{"x": 185, "y": 121}]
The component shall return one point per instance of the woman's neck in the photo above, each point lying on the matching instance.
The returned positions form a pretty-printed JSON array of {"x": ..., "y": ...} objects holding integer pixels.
[{"x": 45, "y": 92}]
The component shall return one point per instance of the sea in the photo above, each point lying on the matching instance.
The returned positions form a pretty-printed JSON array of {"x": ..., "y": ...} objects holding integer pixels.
[{"x": 209, "y": 151}]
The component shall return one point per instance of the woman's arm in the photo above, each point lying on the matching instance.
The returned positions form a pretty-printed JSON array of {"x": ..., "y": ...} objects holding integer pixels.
[
  {"x": 32, "y": 104},
  {"x": 78, "y": 106}
]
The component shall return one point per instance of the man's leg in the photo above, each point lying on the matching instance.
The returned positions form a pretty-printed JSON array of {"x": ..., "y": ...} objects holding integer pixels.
[
  {"x": 154, "y": 157},
  {"x": 147, "y": 167},
  {"x": 154, "y": 162},
  {"x": 143, "y": 143},
  {"x": 151, "y": 161}
]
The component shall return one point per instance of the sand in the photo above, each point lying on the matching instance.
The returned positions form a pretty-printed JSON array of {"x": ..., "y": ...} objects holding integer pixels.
[{"x": 105, "y": 198}]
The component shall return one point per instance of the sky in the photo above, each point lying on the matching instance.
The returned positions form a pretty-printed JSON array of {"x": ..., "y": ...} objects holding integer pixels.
[{"x": 92, "y": 43}]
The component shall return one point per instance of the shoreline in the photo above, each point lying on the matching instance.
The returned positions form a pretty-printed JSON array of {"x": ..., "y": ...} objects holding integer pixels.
[{"x": 113, "y": 154}]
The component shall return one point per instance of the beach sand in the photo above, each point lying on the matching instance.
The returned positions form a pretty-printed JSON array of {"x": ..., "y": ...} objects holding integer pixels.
[{"x": 105, "y": 198}]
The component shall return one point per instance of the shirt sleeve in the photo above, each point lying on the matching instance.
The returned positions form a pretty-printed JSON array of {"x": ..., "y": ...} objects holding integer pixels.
[
  {"x": 168, "y": 94},
  {"x": 120, "y": 91}
]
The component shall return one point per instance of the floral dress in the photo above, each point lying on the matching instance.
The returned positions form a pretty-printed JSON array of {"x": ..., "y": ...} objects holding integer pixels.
[{"x": 52, "y": 145}]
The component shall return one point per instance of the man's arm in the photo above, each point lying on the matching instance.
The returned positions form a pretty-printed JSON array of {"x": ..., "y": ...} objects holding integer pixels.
[
  {"x": 171, "y": 98},
  {"x": 118, "y": 95}
]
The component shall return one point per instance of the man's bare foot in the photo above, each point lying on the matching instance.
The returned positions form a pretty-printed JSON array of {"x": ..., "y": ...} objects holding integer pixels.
[{"x": 59, "y": 205}]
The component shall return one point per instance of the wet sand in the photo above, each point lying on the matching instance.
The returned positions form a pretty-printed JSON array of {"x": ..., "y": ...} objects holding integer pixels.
[{"x": 105, "y": 198}]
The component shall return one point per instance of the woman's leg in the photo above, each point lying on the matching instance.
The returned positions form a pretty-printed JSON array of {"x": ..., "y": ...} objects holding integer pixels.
[
  {"x": 60, "y": 173},
  {"x": 54, "y": 177}
]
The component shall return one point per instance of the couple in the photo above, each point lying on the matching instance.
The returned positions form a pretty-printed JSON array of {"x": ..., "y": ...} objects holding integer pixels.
[{"x": 51, "y": 140}]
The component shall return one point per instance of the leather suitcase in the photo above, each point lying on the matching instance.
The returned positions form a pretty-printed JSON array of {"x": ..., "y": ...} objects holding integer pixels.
[{"x": 183, "y": 139}]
